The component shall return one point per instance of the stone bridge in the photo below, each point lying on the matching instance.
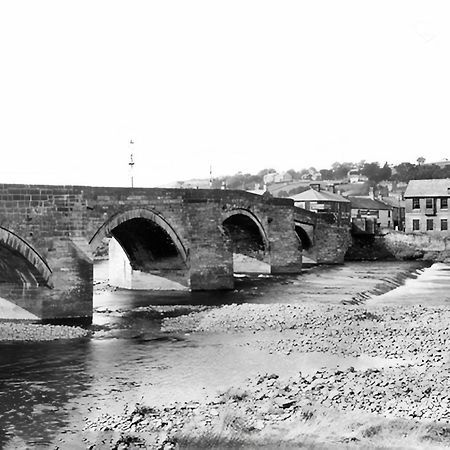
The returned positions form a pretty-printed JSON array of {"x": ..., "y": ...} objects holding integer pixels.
[
  {"x": 324, "y": 237},
  {"x": 49, "y": 236}
]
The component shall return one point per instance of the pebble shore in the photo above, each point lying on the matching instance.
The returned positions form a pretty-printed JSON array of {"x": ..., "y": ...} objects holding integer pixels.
[
  {"x": 20, "y": 331},
  {"x": 409, "y": 397},
  {"x": 385, "y": 331}
]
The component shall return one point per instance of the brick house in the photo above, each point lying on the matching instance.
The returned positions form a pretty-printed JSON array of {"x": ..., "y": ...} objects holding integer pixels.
[{"x": 427, "y": 206}]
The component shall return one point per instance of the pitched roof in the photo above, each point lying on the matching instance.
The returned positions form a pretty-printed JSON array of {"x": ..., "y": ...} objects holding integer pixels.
[
  {"x": 311, "y": 195},
  {"x": 395, "y": 202},
  {"x": 367, "y": 203},
  {"x": 428, "y": 188},
  {"x": 353, "y": 189}
]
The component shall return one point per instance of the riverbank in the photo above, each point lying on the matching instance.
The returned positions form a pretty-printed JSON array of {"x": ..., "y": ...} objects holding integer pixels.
[
  {"x": 393, "y": 393},
  {"x": 189, "y": 376},
  {"x": 33, "y": 332}
]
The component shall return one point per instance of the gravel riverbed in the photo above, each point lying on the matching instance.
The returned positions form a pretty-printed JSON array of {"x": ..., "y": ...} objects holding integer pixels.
[
  {"x": 403, "y": 402},
  {"x": 20, "y": 331}
]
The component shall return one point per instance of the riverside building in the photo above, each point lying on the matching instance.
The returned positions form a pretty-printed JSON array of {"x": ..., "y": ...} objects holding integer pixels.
[
  {"x": 324, "y": 203},
  {"x": 427, "y": 206}
]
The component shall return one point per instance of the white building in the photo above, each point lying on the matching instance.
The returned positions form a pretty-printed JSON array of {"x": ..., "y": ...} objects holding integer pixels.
[{"x": 426, "y": 206}]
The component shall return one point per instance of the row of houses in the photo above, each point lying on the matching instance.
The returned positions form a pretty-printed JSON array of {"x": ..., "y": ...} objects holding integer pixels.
[
  {"x": 424, "y": 207},
  {"x": 365, "y": 212}
]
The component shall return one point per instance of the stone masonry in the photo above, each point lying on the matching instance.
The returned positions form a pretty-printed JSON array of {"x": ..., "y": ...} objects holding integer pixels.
[{"x": 48, "y": 236}]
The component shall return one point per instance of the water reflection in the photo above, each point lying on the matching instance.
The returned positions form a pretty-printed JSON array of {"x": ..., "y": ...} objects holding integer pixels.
[{"x": 37, "y": 380}]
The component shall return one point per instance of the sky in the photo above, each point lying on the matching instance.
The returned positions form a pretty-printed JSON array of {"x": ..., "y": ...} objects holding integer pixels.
[{"x": 233, "y": 85}]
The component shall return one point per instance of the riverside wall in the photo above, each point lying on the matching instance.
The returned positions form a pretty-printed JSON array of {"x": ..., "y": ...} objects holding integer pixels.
[{"x": 391, "y": 244}]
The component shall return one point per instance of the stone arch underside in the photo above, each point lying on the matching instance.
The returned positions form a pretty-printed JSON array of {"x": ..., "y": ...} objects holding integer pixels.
[
  {"x": 247, "y": 240},
  {"x": 304, "y": 237},
  {"x": 150, "y": 244},
  {"x": 25, "y": 278},
  {"x": 20, "y": 263}
]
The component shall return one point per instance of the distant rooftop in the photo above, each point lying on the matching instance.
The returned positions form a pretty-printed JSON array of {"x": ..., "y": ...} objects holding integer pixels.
[
  {"x": 311, "y": 195},
  {"x": 363, "y": 202},
  {"x": 428, "y": 188},
  {"x": 394, "y": 201},
  {"x": 442, "y": 163}
]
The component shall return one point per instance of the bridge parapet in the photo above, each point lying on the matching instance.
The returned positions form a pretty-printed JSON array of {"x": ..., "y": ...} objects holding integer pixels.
[{"x": 304, "y": 216}]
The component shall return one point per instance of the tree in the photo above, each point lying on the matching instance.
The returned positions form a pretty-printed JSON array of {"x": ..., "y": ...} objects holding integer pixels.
[
  {"x": 327, "y": 174},
  {"x": 385, "y": 172},
  {"x": 294, "y": 174},
  {"x": 340, "y": 170},
  {"x": 375, "y": 173},
  {"x": 263, "y": 172},
  {"x": 371, "y": 171}
]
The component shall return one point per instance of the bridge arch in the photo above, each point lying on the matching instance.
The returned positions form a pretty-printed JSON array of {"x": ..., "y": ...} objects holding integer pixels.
[
  {"x": 247, "y": 239},
  {"x": 250, "y": 219},
  {"x": 37, "y": 267},
  {"x": 138, "y": 213},
  {"x": 304, "y": 237},
  {"x": 146, "y": 252}
]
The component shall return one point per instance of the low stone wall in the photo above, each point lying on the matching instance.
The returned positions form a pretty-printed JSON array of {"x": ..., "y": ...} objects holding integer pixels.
[
  {"x": 399, "y": 245},
  {"x": 425, "y": 246},
  {"x": 369, "y": 248}
]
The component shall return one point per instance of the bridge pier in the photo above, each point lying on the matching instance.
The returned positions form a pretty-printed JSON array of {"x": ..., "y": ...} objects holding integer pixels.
[
  {"x": 210, "y": 260},
  {"x": 285, "y": 256},
  {"x": 219, "y": 277},
  {"x": 70, "y": 295}
]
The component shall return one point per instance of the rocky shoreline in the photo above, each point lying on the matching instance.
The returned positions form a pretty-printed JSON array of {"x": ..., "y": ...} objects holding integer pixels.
[
  {"x": 403, "y": 402},
  {"x": 33, "y": 332}
]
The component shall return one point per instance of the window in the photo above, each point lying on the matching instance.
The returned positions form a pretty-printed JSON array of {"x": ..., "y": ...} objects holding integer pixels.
[
  {"x": 429, "y": 224},
  {"x": 389, "y": 213},
  {"x": 444, "y": 203},
  {"x": 416, "y": 203},
  {"x": 416, "y": 224},
  {"x": 429, "y": 203},
  {"x": 444, "y": 225}
]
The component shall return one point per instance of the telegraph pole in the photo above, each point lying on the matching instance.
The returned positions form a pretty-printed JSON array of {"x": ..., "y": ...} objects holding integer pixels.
[{"x": 131, "y": 163}]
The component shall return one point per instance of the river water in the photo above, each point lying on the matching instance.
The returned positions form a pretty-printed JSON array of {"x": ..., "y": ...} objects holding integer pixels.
[{"x": 48, "y": 389}]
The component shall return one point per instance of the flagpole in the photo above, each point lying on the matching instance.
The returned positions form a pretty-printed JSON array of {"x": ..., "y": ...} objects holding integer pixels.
[{"x": 131, "y": 163}]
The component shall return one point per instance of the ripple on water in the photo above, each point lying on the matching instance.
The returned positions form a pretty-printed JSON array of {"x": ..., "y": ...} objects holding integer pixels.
[{"x": 431, "y": 287}]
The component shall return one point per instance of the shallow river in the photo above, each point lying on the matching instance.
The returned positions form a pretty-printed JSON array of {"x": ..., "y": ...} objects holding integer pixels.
[{"x": 47, "y": 389}]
